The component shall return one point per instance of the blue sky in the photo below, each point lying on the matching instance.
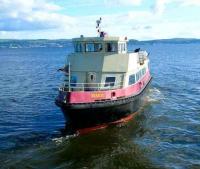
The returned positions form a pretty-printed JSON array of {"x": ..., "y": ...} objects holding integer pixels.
[{"x": 138, "y": 19}]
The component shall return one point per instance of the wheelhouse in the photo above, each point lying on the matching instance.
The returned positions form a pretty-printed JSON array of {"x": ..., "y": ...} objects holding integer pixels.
[
  {"x": 84, "y": 45},
  {"x": 102, "y": 63}
]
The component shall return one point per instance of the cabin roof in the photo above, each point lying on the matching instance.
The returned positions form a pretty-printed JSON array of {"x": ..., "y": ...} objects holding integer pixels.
[{"x": 100, "y": 39}]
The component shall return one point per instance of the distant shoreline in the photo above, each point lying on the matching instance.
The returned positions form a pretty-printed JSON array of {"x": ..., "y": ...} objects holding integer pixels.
[{"x": 39, "y": 43}]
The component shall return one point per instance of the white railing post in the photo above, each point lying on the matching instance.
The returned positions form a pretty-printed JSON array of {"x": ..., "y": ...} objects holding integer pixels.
[{"x": 83, "y": 87}]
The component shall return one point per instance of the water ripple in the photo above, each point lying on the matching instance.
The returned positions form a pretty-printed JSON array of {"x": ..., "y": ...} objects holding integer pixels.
[{"x": 164, "y": 134}]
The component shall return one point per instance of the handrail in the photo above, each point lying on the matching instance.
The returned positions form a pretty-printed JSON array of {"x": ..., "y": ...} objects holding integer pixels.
[
  {"x": 93, "y": 83},
  {"x": 90, "y": 86}
]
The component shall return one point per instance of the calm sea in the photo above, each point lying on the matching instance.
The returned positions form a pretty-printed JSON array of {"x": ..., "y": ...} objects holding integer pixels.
[{"x": 164, "y": 134}]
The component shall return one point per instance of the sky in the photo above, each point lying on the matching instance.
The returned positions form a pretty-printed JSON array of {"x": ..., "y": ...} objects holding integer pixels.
[{"x": 65, "y": 19}]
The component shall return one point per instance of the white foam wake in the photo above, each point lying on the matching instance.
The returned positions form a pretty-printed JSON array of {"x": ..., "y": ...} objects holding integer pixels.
[
  {"x": 154, "y": 95},
  {"x": 60, "y": 140}
]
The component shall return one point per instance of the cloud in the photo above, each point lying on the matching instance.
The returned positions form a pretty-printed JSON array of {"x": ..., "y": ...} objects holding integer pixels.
[
  {"x": 139, "y": 27},
  {"x": 129, "y": 2},
  {"x": 19, "y": 15},
  {"x": 147, "y": 27},
  {"x": 161, "y": 5},
  {"x": 122, "y": 2},
  {"x": 191, "y": 3},
  {"x": 132, "y": 24},
  {"x": 43, "y": 19}
]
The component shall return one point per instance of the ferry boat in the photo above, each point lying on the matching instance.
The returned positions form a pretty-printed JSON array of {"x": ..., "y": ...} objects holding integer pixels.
[{"x": 103, "y": 81}]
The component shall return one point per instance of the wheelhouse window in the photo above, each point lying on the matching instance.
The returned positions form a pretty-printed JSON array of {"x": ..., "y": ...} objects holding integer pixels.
[
  {"x": 93, "y": 47},
  {"x": 122, "y": 47},
  {"x": 111, "y": 47},
  {"x": 110, "y": 81},
  {"x": 79, "y": 47},
  {"x": 131, "y": 79},
  {"x": 89, "y": 47},
  {"x": 98, "y": 47}
]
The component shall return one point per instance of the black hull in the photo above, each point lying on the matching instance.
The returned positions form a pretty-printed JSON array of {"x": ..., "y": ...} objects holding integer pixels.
[
  {"x": 89, "y": 115},
  {"x": 84, "y": 118}
]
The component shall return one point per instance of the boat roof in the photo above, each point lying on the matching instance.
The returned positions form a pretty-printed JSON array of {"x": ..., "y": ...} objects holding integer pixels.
[{"x": 100, "y": 39}]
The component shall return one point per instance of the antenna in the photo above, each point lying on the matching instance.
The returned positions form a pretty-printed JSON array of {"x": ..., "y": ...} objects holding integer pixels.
[{"x": 98, "y": 26}]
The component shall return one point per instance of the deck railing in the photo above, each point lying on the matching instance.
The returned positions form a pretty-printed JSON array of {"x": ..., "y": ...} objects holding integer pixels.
[{"x": 90, "y": 86}]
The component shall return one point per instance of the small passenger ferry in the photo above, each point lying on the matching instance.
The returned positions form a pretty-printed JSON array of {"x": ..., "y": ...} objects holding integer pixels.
[{"x": 103, "y": 81}]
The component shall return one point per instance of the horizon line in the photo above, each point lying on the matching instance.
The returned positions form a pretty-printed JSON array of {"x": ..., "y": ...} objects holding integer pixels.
[{"x": 177, "y": 38}]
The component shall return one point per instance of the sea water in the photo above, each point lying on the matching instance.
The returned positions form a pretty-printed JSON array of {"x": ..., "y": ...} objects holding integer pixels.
[{"x": 164, "y": 134}]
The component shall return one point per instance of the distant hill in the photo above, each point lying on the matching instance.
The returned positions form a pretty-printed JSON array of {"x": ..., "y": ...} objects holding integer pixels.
[
  {"x": 42, "y": 43},
  {"x": 39, "y": 43}
]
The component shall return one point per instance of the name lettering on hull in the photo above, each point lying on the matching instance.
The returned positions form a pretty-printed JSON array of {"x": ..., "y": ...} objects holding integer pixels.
[{"x": 97, "y": 95}]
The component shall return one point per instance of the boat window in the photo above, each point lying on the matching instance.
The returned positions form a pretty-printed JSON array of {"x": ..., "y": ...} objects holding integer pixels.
[
  {"x": 92, "y": 77},
  {"x": 122, "y": 47},
  {"x": 137, "y": 76},
  {"x": 98, "y": 47},
  {"x": 119, "y": 48},
  {"x": 73, "y": 81},
  {"x": 89, "y": 47},
  {"x": 111, "y": 47},
  {"x": 140, "y": 73},
  {"x": 131, "y": 79},
  {"x": 143, "y": 71},
  {"x": 79, "y": 47},
  {"x": 110, "y": 81},
  {"x": 93, "y": 47}
]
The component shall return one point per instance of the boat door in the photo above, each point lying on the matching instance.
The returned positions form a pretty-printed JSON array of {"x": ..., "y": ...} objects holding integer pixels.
[{"x": 91, "y": 81}]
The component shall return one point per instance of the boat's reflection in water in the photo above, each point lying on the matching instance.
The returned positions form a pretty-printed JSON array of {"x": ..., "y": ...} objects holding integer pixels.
[
  {"x": 69, "y": 129},
  {"x": 107, "y": 148}
]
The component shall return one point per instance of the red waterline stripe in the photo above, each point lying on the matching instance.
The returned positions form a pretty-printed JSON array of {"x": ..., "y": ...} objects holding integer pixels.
[
  {"x": 123, "y": 120},
  {"x": 88, "y": 130},
  {"x": 103, "y": 126}
]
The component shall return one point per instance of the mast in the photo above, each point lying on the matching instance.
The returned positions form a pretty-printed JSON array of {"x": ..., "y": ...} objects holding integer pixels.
[{"x": 98, "y": 27}]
